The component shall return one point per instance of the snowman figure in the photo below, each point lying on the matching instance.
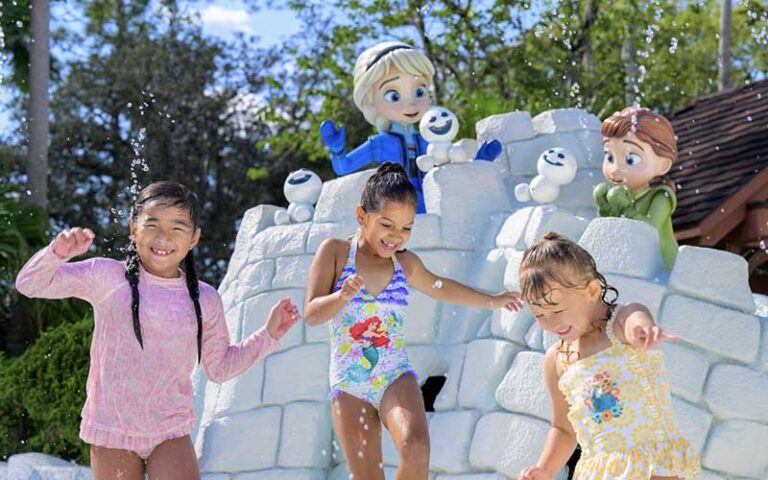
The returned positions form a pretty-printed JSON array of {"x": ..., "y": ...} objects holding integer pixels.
[
  {"x": 302, "y": 190},
  {"x": 439, "y": 126},
  {"x": 556, "y": 167}
]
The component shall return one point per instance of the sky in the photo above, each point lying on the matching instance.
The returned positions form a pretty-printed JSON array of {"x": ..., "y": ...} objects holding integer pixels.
[
  {"x": 219, "y": 18},
  {"x": 222, "y": 18}
]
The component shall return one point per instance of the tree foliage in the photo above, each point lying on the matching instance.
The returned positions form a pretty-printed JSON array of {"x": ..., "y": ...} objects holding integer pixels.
[{"x": 43, "y": 391}]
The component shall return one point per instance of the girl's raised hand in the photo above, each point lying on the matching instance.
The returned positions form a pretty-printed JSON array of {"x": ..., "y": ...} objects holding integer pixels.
[
  {"x": 72, "y": 242},
  {"x": 533, "y": 473},
  {"x": 282, "y": 317},
  {"x": 352, "y": 284},
  {"x": 649, "y": 336},
  {"x": 508, "y": 300}
]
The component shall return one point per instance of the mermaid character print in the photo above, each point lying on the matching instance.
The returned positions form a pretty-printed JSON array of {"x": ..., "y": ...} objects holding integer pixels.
[{"x": 371, "y": 334}]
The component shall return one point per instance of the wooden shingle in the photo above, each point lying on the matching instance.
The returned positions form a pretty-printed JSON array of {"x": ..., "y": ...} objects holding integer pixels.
[{"x": 723, "y": 145}]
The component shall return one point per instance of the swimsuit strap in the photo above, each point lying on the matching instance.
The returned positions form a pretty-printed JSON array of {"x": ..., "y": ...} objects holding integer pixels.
[
  {"x": 609, "y": 325},
  {"x": 353, "y": 251},
  {"x": 349, "y": 266}
]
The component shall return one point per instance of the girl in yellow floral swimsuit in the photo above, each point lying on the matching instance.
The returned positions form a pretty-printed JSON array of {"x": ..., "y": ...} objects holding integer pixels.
[{"x": 609, "y": 390}]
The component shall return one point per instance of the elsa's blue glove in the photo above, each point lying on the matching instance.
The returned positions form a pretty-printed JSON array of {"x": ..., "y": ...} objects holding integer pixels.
[
  {"x": 489, "y": 150},
  {"x": 334, "y": 138}
]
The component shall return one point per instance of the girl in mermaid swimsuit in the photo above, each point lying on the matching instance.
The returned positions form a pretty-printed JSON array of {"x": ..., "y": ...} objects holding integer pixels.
[{"x": 372, "y": 381}]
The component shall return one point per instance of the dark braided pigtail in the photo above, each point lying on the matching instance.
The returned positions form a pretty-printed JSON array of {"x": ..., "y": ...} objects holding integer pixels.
[
  {"x": 132, "y": 275},
  {"x": 194, "y": 291}
]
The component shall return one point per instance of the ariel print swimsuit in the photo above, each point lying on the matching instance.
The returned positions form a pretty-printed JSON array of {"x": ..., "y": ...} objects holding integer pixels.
[{"x": 368, "y": 345}]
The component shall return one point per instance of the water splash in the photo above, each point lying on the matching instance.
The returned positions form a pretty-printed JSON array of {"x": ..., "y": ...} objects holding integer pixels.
[
  {"x": 673, "y": 45},
  {"x": 2, "y": 46},
  {"x": 138, "y": 162},
  {"x": 759, "y": 26}
]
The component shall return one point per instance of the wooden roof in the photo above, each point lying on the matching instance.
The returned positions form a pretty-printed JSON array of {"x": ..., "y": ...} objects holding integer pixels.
[{"x": 723, "y": 145}]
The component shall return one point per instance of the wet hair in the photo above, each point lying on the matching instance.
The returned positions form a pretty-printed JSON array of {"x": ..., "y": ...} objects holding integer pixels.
[
  {"x": 648, "y": 126},
  {"x": 390, "y": 183},
  {"x": 556, "y": 259},
  {"x": 169, "y": 194}
]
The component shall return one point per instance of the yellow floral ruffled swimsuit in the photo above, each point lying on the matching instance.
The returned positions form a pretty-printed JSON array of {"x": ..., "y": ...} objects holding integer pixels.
[{"x": 621, "y": 411}]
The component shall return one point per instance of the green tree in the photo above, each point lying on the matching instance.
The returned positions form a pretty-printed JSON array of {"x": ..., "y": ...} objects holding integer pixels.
[
  {"x": 152, "y": 100},
  {"x": 14, "y": 23},
  {"x": 43, "y": 391},
  {"x": 493, "y": 57}
]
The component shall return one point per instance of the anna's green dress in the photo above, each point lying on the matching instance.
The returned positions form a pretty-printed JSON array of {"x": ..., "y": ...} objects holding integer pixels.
[{"x": 653, "y": 205}]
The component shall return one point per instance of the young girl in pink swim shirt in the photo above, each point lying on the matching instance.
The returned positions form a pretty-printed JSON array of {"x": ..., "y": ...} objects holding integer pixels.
[{"x": 153, "y": 322}]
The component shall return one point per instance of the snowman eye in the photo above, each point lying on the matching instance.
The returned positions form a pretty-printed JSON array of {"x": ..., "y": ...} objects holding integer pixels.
[
  {"x": 421, "y": 92},
  {"x": 560, "y": 155},
  {"x": 634, "y": 159},
  {"x": 444, "y": 114},
  {"x": 392, "y": 96},
  {"x": 432, "y": 119},
  {"x": 608, "y": 157}
]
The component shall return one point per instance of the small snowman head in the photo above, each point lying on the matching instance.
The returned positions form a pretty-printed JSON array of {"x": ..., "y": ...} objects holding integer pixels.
[
  {"x": 439, "y": 125},
  {"x": 302, "y": 186},
  {"x": 558, "y": 165}
]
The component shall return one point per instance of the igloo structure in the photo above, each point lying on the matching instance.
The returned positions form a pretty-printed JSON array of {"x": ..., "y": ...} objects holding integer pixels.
[{"x": 491, "y": 415}]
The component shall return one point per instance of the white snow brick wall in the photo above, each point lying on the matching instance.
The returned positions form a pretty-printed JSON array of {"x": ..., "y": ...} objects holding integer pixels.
[{"x": 491, "y": 418}]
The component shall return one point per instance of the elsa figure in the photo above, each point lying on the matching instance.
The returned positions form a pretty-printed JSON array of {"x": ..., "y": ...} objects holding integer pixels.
[{"x": 392, "y": 83}]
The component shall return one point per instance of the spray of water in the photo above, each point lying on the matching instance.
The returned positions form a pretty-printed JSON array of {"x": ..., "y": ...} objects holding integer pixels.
[
  {"x": 2, "y": 45},
  {"x": 138, "y": 163}
]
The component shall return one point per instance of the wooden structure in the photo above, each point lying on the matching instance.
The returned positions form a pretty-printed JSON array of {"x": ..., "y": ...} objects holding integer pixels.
[{"x": 721, "y": 176}]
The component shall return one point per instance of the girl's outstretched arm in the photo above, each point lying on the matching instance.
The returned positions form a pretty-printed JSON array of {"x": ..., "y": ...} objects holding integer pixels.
[
  {"x": 447, "y": 290},
  {"x": 634, "y": 325},
  {"x": 320, "y": 301},
  {"x": 561, "y": 440},
  {"x": 222, "y": 360},
  {"x": 48, "y": 275}
]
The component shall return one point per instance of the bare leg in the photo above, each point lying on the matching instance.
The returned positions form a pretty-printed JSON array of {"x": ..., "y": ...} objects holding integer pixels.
[
  {"x": 359, "y": 430},
  {"x": 173, "y": 459},
  {"x": 402, "y": 411},
  {"x": 115, "y": 464}
]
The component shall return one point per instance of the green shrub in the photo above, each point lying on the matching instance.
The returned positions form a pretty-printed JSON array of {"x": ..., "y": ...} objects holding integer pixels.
[{"x": 42, "y": 393}]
